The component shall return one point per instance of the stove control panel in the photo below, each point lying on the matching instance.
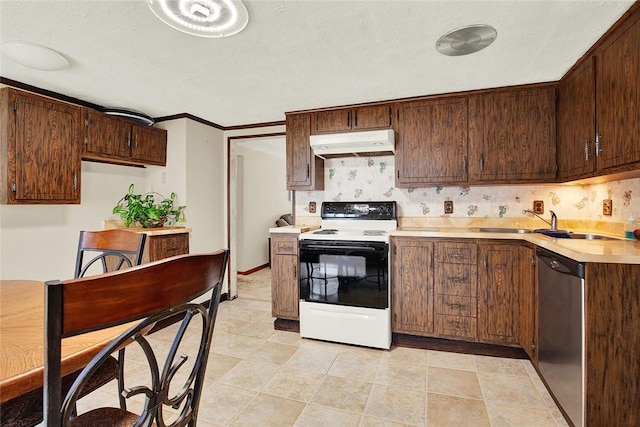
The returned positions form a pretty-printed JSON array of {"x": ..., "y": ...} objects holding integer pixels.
[{"x": 359, "y": 210}]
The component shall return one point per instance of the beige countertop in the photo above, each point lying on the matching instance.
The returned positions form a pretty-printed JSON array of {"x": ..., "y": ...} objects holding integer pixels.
[
  {"x": 600, "y": 251},
  {"x": 294, "y": 229},
  {"x": 161, "y": 231}
]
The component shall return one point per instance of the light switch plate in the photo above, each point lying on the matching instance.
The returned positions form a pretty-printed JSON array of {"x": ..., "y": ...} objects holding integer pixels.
[
  {"x": 448, "y": 206},
  {"x": 312, "y": 207},
  {"x": 607, "y": 207}
]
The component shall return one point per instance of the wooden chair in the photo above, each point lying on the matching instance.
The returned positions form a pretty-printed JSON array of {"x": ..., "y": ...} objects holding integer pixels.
[
  {"x": 111, "y": 250},
  {"x": 98, "y": 252},
  {"x": 153, "y": 292}
]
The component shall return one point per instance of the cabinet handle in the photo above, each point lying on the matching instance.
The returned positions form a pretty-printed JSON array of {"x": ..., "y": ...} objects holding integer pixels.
[
  {"x": 295, "y": 271},
  {"x": 75, "y": 181},
  {"x": 86, "y": 141},
  {"x": 308, "y": 170},
  {"x": 464, "y": 163},
  {"x": 598, "y": 149},
  {"x": 481, "y": 163},
  {"x": 485, "y": 263},
  {"x": 586, "y": 150},
  {"x": 129, "y": 140}
]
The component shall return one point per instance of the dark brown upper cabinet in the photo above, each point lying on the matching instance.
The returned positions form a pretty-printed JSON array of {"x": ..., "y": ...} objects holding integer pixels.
[
  {"x": 305, "y": 171},
  {"x": 115, "y": 140},
  {"x": 40, "y": 149},
  {"x": 576, "y": 110},
  {"x": 512, "y": 135},
  {"x": 351, "y": 119},
  {"x": 618, "y": 97},
  {"x": 431, "y": 142}
]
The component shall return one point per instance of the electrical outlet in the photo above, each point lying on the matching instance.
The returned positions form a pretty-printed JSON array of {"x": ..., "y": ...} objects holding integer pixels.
[
  {"x": 448, "y": 206},
  {"x": 538, "y": 207},
  {"x": 312, "y": 207},
  {"x": 607, "y": 207}
]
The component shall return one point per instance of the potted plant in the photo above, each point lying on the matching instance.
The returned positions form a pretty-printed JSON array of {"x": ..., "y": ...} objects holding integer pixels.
[{"x": 143, "y": 209}]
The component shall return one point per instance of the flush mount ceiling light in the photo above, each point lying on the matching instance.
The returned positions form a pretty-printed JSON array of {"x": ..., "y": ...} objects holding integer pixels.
[
  {"x": 466, "y": 40},
  {"x": 35, "y": 56},
  {"x": 203, "y": 18}
]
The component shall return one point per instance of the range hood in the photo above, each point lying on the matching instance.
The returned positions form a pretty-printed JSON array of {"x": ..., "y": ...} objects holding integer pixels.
[{"x": 368, "y": 143}]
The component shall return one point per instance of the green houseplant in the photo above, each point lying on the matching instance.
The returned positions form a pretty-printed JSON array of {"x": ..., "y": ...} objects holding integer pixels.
[{"x": 145, "y": 211}]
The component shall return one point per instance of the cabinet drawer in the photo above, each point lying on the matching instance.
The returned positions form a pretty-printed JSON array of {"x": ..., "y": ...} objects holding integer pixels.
[
  {"x": 284, "y": 246},
  {"x": 455, "y": 279},
  {"x": 456, "y": 305},
  {"x": 456, "y": 326},
  {"x": 168, "y": 245},
  {"x": 456, "y": 253}
]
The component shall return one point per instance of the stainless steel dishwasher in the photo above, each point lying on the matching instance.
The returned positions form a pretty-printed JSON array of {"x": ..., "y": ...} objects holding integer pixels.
[{"x": 561, "y": 330}]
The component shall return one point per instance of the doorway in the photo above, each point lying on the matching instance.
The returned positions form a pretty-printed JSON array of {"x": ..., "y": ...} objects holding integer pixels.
[{"x": 257, "y": 198}]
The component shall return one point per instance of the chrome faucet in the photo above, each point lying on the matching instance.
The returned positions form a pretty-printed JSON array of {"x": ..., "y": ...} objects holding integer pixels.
[{"x": 554, "y": 218}]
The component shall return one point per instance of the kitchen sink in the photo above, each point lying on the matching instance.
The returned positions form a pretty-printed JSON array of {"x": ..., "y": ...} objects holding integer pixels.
[
  {"x": 502, "y": 230},
  {"x": 566, "y": 234},
  {"x": 589, "y": 236}
]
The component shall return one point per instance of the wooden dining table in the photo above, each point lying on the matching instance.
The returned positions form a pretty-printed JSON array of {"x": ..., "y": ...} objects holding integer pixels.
[{"x": 22, "y": 339}]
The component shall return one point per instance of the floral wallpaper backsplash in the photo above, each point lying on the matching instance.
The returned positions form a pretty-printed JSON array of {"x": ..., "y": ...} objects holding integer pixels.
[{"x": 372, "y": 178}]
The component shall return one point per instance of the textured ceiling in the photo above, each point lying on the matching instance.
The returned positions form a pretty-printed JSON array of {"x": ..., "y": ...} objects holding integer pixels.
[{"x": 296, "y": 55}]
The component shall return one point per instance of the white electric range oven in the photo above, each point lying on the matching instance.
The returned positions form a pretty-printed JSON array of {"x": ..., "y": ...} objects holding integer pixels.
[{"x": 344, "y": 274}]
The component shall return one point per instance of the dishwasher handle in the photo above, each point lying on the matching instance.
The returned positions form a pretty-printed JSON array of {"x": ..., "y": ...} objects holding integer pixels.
[{"x": 560, "y": 264}]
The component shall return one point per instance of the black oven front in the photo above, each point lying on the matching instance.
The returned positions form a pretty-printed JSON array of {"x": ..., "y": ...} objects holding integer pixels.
[{"x": 350, "y": 273}]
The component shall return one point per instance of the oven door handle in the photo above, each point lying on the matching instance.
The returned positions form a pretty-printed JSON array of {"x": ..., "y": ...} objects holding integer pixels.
[{"x": 360, "y": 248}]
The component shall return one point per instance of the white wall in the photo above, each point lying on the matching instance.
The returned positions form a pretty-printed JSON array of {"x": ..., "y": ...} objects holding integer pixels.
[
  {"x": 262, "y": 198},
  {"x": 39, "y": 242}
]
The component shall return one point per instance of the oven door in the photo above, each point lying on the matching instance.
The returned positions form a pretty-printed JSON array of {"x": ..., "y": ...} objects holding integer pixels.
[{"x": 351, "y": 273}]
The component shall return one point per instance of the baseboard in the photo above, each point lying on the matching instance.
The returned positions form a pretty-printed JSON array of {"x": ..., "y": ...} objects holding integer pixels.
[
  {"x": 454, "y": 346},
  {"x": 253, "y": 270}
]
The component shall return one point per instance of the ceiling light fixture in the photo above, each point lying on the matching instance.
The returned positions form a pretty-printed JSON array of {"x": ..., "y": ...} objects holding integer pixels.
[
  {"x": 35, "y": 56},
  {"x": 466, "y": 40},
  {"x": 203, "y": 18}
]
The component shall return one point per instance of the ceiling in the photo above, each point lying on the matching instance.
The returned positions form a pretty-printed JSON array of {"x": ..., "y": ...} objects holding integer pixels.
[{"x": 296, "y": 54}]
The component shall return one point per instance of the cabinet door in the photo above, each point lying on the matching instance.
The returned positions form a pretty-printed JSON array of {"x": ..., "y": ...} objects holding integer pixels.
[
  {"x": 285, "y": 288},
  {"x": 432, "y": 142},
  {"x": 527, "y": 335},
  {"x": 576, "y": 114},
  {"x": 304, "y": 170},
  {"x": 165, "y": 246},
  {"x": 149, "y": 145},
  {"x": 106, "y": 137},
  {"x": 332, "y": 121},
  {"x": 412, "y": 290},
  {"x": 455, "y": 287},
  {"x": 47, "y": 151},
  {"x": 371, "y": 117},
  {"x": 618, "y": 96},
  {"x": 513, "y": 135},
  {"x": 498, "y": 291}
]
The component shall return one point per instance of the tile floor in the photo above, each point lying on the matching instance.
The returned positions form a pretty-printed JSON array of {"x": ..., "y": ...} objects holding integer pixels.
[{"x": 257, "y": 376}]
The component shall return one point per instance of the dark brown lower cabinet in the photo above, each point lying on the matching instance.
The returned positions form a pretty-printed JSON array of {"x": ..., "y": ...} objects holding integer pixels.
[
  {"x": 285, "y": 289},
  {"x": 165, "y": 246},
  {"x": 412, "y": 286},
  {"x": 456, "y": 285},
  {"x": 612, "y": 344},
  {"x": 498, "y": 291},
  {"x": 527, "y": 298}
]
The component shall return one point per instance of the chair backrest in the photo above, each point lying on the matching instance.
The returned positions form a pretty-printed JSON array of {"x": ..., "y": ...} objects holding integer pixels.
[
  {"x": 153, "y": 292},
  {"x": 109, "y": 249}
]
